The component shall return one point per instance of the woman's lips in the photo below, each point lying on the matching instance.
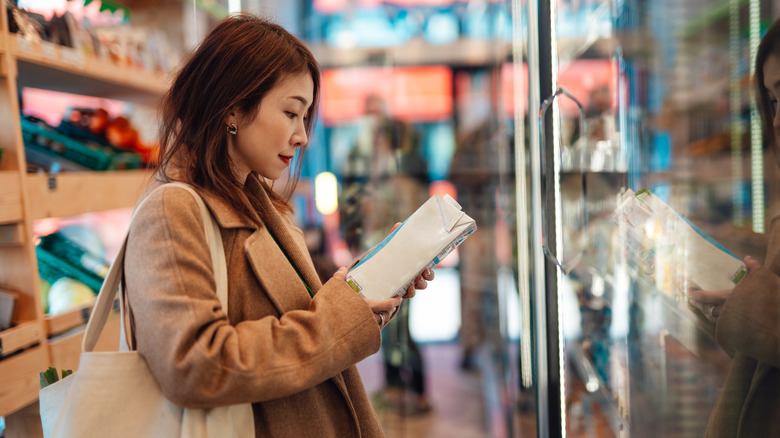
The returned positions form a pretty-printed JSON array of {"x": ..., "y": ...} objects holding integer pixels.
[{"x": 285, "y": 159}]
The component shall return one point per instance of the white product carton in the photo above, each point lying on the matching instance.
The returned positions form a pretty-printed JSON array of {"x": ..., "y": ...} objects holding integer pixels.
[
  {"x": 423, "y": 240},
  {"x": 672, "y": 250}
]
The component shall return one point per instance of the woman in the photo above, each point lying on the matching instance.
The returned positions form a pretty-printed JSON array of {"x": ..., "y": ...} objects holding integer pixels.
[
  {"x": 748, "y": 317},
  {"x": 237, "y": 116}
]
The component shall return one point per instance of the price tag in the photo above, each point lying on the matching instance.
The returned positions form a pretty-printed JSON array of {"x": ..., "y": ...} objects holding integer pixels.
[
  {"x": 23, "y": 44},
  {"x": 72, "y": 56},
  {"x": 49, "y": 51}
]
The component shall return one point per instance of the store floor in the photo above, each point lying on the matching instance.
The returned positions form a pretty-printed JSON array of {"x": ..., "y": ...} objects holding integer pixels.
[
  {"x": 460, "y": 408},
  {"x": 456, "y": 397}
]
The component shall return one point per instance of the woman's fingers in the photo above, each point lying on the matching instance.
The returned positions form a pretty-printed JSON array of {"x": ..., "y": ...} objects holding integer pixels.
[
  {"x": 384, "y": 306},
  {"x": 419, "y": 283},
  {"x": 384, "y": 310},
  {"x": 341, "y": 274},
  {"x": 709, "y": 296},
  {"x": 751, "y": 263}
]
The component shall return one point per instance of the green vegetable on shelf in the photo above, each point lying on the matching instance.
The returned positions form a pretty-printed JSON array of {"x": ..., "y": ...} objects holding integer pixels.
[{"x": 50, "y": 376}]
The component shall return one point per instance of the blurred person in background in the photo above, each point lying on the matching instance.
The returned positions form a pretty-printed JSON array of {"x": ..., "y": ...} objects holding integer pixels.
[
  {"x": 385, "y": 181},
  {"x": 476, "y": 182}
]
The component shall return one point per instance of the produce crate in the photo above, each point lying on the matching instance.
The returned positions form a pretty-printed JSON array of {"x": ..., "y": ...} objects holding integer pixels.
[
  {"x": 75, "y": 254},
  {"x": 43, "y": 158},
  {"x": 51, "y": 268},
  {"x": 37, "y": 133}
]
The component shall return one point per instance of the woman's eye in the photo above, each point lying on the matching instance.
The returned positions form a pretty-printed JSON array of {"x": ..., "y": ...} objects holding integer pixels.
[
  {"x": 291, "y": 114},
  {"x": 773, "y": 106}
]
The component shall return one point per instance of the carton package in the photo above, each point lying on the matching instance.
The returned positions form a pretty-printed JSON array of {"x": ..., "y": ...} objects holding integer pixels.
[
  {"x": 423, "y": 240},
  {"x": 672, "y": 250}
]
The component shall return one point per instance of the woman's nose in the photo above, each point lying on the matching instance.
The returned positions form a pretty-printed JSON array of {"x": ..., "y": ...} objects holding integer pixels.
[{"x": 300, "y": 139}]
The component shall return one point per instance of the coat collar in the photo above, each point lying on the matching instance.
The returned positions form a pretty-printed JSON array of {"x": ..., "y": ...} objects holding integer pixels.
[{"x": 276, "y": 250}]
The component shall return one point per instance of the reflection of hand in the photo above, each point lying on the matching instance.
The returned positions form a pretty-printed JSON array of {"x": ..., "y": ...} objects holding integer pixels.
[{"x": 710, "y": 303}]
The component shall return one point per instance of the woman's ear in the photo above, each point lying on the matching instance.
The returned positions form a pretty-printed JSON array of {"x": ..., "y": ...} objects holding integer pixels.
[{"x": 231, "y": 117}]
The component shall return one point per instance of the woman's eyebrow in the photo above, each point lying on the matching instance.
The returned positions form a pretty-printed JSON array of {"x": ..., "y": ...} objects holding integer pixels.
[{"x": 301, "y": 99}]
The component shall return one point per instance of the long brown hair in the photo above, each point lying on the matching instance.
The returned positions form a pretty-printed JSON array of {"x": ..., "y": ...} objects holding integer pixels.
[
  {"x": 235, "y": 66},
  {"x": 770, "y": 44}
]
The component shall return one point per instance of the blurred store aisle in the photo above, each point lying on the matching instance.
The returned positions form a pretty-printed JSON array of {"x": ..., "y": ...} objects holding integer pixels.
[{"x": 456, "y": 397}]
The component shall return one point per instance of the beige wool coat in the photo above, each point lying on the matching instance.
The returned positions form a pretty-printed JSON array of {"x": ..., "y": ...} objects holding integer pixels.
[
  {"x": 748, "y": 328},
  {"x": 292, "y": 356}
]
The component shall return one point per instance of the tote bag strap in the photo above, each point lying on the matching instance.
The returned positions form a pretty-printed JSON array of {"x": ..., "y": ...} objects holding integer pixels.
[{"x": 105, "y": 299}]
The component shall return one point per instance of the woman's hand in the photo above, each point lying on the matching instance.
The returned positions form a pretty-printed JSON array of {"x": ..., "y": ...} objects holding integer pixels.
[
  {"x": 710, "y": 303},
  {"x": 419, "y": 283},
  {"x": 385, "y": 310}
]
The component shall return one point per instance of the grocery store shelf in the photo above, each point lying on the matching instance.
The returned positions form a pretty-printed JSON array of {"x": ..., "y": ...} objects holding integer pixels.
[
  {"x": 10, "y": 197},
  {"x": 19, "y": 337},
  {"x": 54, "y": 67},
  {"x": 466, "y": 52},
  {"x": 66, "y": 349},
  {"x": 60, "y": 323},
  {"x": 75, "y": 193},
  {"x": 19, "y": 379}
]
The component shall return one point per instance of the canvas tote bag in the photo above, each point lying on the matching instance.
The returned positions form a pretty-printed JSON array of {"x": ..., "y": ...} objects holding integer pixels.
[{"x": 113, "y": 394}]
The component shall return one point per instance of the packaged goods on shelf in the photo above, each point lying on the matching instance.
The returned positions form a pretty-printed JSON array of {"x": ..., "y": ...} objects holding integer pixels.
[
  {"x": 44, "y": 139},
  {"x": 51, "y": 268},
  {"x": 61, "y": 257},
  {"x": 95, "y": 125},
  {"x": 114, "y": 41},
  {"x": 75, "y": 254}
]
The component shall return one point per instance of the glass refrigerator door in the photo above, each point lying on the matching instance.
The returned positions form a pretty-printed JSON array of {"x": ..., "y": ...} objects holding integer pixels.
[{"x": 652, "y": 184}]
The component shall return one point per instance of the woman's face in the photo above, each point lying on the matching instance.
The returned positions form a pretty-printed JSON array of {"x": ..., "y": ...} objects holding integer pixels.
[
  {"x": 772, "y": 84},
  {"x": 267, "y": 143}
]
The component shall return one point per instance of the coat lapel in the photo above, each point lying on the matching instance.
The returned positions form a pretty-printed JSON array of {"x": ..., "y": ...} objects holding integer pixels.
[
  {"x": 275, "y": 261},
  {"x": 273, "y": 267},
  {"x": 275, "y": 273}
]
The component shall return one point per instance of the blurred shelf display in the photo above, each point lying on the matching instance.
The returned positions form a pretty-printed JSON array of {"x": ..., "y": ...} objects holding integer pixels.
[
  {"x": 51, "y": 66},
  {"x": 38, "y": 339},
  {"x": 10, "y": 197},
  {"x": 463, "y": 52},
  {"x": 52, "y": 196}
]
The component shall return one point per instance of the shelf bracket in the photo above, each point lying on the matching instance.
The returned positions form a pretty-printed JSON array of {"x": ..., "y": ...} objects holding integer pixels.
[{"x": 52, "y": 179}]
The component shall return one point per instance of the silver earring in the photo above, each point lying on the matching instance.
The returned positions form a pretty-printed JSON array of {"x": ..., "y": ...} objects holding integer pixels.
[{"x": 232, "y": 129}]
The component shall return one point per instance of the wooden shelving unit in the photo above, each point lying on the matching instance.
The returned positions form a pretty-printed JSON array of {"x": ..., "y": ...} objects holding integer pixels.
[
  {"x": 53, "y": 196},
  {"x": 10, "y": 197},
  {"x": 53, "y": 67},
  {"x": 37, "y": 341}
]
